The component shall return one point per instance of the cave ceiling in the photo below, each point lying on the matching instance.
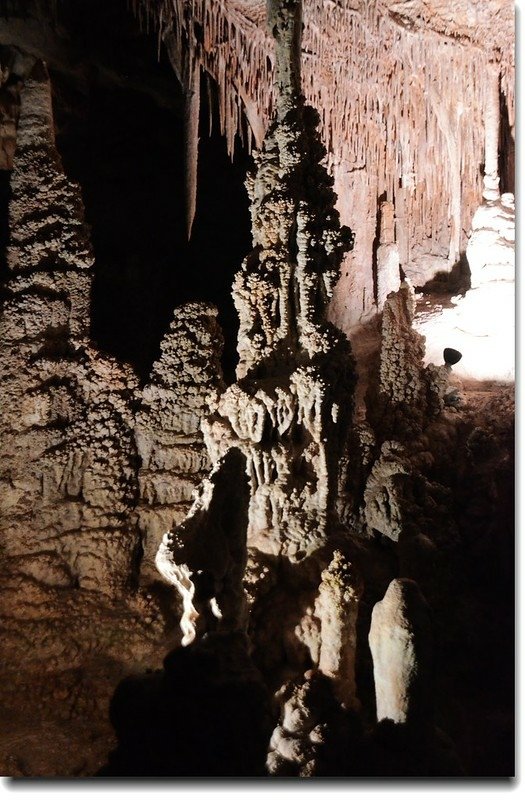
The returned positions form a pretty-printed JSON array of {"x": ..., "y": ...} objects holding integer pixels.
[{"x": 488, "y": 23}]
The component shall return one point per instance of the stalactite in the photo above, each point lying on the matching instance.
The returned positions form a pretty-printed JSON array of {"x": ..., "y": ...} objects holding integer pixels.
[
  {"x": 191, "y": 141},
  {"x": 373, "y": 81}
]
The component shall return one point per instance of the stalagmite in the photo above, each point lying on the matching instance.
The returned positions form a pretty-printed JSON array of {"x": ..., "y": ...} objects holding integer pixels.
[
  {"x": 402, "y": 350},
  {"x": 289, "y": 411},
  {"x": 68, "y": 468},
  {"x": 68, "y": 459},
  {"x": 481, "y": 323},
  {"x": 291, "y": 404},
  {"x": 173, "y": 457},
  {"x": 337, "y": 606},
  {"x": 401, "y": 644}
]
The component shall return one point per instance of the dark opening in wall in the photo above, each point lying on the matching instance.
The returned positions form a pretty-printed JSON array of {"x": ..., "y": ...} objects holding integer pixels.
[
  {"x": 122, "y": 140},
  {"x": 122, "y": 149},
  {"x": 221, "y": 234},
  {"x": 507, "y": 149}
]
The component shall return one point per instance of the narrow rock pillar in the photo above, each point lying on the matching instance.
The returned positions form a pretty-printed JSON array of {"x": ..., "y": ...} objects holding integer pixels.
[
  {"x": 191, "y": 139},
  {"x": 387, "y": 255},
  {"x": 337, "y": 607},
  {"x": 285, "y": 20},
  {"x": 492, "y": 124}
]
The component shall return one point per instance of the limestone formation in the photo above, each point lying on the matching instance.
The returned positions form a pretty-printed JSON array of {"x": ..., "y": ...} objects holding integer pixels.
[
  {"x": 290, "y": 408},
  {"x": 205, "y": 557},
  {"x": 173, "y": 457},
  {"x": 401, "y": 644},
  {"x": 289, "y": 411},
  {"x": 384, "y": 492},
  {"x": 337, "y": 606},
  {"x": 481, "y": 323},
  {"x": 67, "y": 449},
  {"x": 391, "y": 78},
  {"x": 9, "y": 107},
  {"x": 298, "y": 741},
  {"x": 490, "y": 250},
  {"x": 387, "y": 255},
  {"x": 68, "y": 460},
  {"x": 310, "y": 551},
  {"x": 402, "y": 351}
]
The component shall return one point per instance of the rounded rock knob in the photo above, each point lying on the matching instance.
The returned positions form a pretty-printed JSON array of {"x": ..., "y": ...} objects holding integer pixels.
[{"x": 451, "y": 356}]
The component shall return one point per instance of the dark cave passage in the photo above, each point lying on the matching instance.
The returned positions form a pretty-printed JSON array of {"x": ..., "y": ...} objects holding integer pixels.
[
  {"x": 122, "y": 141},
  {"x": 221, "y": 234},
  {"x": 507, "y": 149}
]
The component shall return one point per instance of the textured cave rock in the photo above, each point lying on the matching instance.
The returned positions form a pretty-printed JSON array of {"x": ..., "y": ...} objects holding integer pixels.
[
  {"x": 292, "y": 398},
  {"x": 295, "y": 529},
  {"x": 74, "y": 411},
  {"x": 289, "y": 410},
  {"x": 69, "y": 462},
  {"x": 401, "y": 645},
  {"x": 173, "y": 457},
  {"x": 205, "y": 557},
  {"x": 402, "y": 86},
  {"x": 312, "y": 731},
  {"x": 401, "y": 641},
  {"x": 387, "y": 255}
]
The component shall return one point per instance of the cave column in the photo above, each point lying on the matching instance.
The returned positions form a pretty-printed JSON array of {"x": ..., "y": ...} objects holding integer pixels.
[
  {"x": 387, "y": 255},
  {"x": 285, "y": 22},
  {"x": 492, "y": 123}
]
